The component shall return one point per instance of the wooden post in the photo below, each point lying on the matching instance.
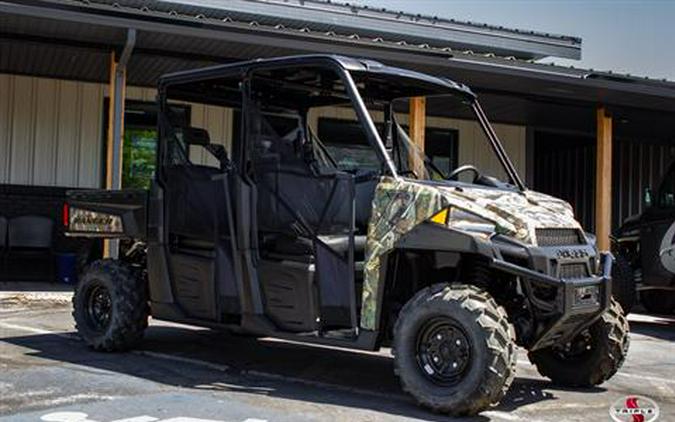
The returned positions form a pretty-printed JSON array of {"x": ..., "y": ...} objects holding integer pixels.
[
  {"x": 116, "y": 94},
  {"x": 417, "y": 116},
  {"x": 603, "y": 179}
]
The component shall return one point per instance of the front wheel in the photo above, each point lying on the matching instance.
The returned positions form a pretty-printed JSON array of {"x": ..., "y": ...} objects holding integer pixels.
[
  {"x": 110, "y": 306},
  {"x": 454, "y": 349},
  {"x": 592, "y": 357},
  {"x": 623, "y": 283}
]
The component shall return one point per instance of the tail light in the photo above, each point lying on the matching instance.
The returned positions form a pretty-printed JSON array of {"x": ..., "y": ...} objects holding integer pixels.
[{"x": 66, "y": 214}]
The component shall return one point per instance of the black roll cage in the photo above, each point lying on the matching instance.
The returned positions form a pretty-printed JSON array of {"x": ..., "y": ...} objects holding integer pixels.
[{"x": 343, "y": 67}]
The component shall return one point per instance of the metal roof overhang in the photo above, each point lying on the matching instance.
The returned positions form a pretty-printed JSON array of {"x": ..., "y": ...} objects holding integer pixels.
[
  {"x": 374, "y": 22},
  {"x": 44, "y": 38}
]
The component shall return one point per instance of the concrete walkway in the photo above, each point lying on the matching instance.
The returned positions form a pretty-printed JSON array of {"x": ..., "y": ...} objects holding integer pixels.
[{"x": 29, "y": 293}]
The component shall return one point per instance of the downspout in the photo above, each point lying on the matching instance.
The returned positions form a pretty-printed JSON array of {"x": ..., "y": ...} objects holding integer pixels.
[
  {"x": 116, "y": 130},
  {"x": 118, "y": 108}
]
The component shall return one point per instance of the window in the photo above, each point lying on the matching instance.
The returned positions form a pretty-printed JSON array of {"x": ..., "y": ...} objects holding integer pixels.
[
  {"x": 138, "y": 157},
  {"x": 139, "y": 147},
  {"x": 441, "y": 147},
  {"x": 346, "y": 142}
]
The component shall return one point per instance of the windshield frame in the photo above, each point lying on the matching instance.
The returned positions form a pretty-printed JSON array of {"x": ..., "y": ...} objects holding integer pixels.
[{"x": 446, "y": 88}]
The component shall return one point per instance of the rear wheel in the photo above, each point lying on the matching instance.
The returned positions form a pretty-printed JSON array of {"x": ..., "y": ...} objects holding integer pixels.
[
  {"x": 590, "y": 358},
  {"x": 623, "y": 283},
  {"x": 658, "y": 301},
  {"x": 110, "y": 306},
  {"x": 454, "y": 349}
]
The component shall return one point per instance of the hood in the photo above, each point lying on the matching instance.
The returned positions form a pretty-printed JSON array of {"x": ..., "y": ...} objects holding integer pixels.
[{"x": 514, "y": 213}]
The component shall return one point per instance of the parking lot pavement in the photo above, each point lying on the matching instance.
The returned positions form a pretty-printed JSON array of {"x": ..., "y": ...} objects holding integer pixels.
[{"x": 185, "y": 374}]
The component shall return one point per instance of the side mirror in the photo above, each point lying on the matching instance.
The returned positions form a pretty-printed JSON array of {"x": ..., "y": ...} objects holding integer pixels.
[
  {"x": 196, "y": 136},
  {"x": 648, "y": 197}
]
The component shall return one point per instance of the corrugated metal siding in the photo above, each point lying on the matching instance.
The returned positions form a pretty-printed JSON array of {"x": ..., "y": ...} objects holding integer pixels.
[
  {"x": 636, "y": 166},
  {"x": 50, "y": 132},
  {"x": 564, "y": 167}
]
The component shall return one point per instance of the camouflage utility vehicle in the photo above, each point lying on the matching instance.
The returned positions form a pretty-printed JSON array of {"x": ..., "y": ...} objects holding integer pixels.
[{"x": 360, "y": 242}]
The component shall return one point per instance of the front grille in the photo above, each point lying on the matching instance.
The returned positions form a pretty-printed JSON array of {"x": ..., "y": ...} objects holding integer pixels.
[
  {"x": 569, "y": 271},
  {"x": 558, "y": 237}
]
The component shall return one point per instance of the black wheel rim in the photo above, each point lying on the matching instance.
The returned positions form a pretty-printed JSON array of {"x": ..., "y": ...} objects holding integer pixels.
[
  {"x": 99, "y": 307},
  {"x": 577, "y": 349},
  {"x": 443, "y": 351}
]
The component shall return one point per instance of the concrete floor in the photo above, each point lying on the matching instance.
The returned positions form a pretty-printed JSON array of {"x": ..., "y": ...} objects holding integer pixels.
[{"x": 184, "y": 374}]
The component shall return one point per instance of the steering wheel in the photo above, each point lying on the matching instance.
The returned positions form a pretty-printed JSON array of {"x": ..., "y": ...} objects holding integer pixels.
[{"x": 462, "y": 169}]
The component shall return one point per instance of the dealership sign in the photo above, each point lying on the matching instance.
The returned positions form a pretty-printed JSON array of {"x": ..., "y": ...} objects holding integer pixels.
[{"x": 634, "y": 409}]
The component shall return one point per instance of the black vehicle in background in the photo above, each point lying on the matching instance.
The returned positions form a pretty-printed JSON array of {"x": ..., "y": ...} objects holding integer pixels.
[{"x": 644, "y": 248}]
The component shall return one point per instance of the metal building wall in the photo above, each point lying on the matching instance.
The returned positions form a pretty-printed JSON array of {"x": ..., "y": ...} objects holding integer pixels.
[
  {"x": 50, "y": 132},
  {"x": 564, "y": 166},
  {"x": 637, "y": 165}
]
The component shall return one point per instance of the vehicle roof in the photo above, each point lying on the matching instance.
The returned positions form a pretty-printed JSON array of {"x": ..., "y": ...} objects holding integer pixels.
[{"x": 350, "y": 64}]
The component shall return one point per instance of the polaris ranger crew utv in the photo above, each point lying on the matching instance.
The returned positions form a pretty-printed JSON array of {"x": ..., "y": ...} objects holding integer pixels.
[
  {"x": 361, "y": 242},
  {"x": 644, "y": 246}
]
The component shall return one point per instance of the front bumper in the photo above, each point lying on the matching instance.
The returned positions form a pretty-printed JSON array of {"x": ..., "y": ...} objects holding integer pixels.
[{"x": 575, "y": 303}]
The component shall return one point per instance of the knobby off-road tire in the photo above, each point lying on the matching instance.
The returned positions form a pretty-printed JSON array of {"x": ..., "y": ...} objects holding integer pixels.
[
  {"x": 110, "y": 306},
  {"x": 658, "y": 301},
  {"x": 604, "y": 350},
  {"x": 623, "y": 284},
  {"x": 477, "y": 324}
]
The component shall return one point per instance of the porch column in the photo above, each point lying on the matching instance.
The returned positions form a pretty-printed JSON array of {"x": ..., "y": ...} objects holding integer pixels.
[
  {"x": 417, "y": 116},
  {"x": 603, "y": 179},
  {"x": 116, "y": 95}
]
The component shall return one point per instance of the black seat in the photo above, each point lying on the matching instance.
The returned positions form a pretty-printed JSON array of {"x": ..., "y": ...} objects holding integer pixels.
[{"x": 29, "y": 238}]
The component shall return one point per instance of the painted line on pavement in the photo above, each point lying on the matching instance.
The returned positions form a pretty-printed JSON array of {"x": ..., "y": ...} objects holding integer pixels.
[
  {"x": 214, "y": 366},
  {"x": 646, "y": 377},
  {"x": 35, "y": 330},
  {"x": 225, "y": 368},
  {"x": 182, "y": 359}
]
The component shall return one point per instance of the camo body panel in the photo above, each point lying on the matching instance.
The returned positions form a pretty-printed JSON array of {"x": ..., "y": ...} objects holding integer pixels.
[{"x": 400, "y": 205}]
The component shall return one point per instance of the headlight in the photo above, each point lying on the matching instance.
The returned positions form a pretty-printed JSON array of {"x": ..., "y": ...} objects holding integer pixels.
[{"x": 464, "y": 220}]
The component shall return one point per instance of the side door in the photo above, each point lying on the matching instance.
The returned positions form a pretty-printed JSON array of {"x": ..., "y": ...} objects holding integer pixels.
[
  {"x": 657, "y": 235},
  {"x": 198, "y": 224},
  {"x": 311, "y": 241}
]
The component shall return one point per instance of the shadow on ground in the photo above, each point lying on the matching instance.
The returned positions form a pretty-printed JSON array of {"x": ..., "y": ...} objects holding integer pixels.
[
  {"x": 657, "y": 326},
  {"x": 264, "y": 366}
]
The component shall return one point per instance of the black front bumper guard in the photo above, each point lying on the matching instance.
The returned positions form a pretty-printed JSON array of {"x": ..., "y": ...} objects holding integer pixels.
[{"x": 571, "y": 315}]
